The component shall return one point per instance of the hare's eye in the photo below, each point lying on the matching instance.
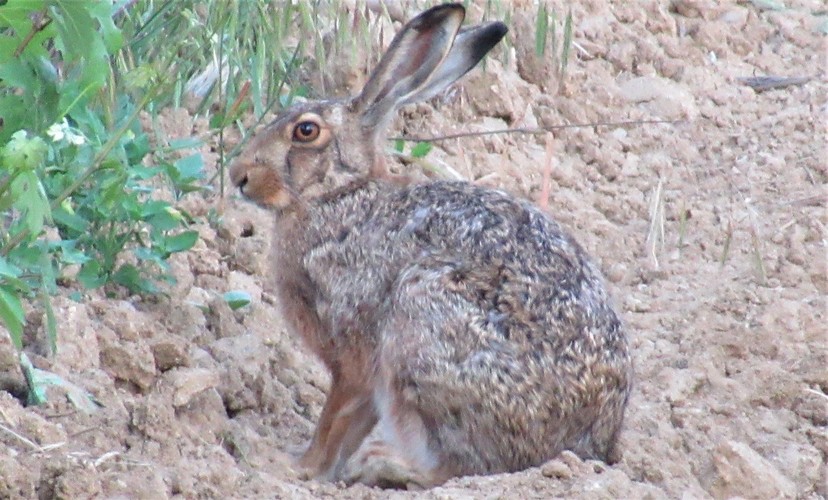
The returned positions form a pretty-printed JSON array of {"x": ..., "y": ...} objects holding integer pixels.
[{"x": 306, "y": 131}]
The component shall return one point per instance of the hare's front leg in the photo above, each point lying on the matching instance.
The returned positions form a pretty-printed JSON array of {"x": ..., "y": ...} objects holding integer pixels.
[{"x": 347, "y": 417}]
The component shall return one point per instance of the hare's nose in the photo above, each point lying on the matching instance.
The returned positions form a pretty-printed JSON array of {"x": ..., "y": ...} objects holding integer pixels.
[
  {"x": 239, "y": 179},
  {"x": 241, "y": 183},
  {"x": 239, "y": 175}
]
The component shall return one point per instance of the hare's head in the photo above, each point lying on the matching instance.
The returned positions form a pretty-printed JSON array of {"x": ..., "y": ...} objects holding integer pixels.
[{"x": 318, "y": 147}]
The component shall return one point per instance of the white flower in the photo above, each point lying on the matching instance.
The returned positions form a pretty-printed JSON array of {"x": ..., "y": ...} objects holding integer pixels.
[
  {"x": 74, "y": 138},
  {"x": 62, "y": 130},
  {"x": 57, "y": 131}
]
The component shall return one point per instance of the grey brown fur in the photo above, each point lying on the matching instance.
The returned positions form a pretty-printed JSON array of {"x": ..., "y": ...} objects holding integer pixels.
[{"x": 465, "y": 331}]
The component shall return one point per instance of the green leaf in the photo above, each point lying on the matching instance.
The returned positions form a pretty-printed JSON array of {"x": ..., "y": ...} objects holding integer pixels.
[
  {"x": 180, "y": 242},
  {"x": 103, "y": 13},
  {"x": 92, "y": 274},
  {"x": 237, "y": 299},
  {"x": 69, "y": 220},
  {"x": 13, "y": 109},
  {"x": 39, "y": 380},
  {"x": 11, "y": 312},
  {"x": 37, "y": 393},
  {"x": 7, "y": 269},
  {"x": 69, "y": 254},
  {"x": 153, "y": 207},
  {"x": 149, "y": 254},
  {"x": 541, "y": 30},
  {"x": 130, "y": 277},
  {"x": 78, "y": 37},
  {"x": 399, "y": 145},
  {"x": 136, "y": 149},
  {"x": 421, "y": 149},
  {"x": 30, "y": 198},
  {"x": 163, "y": 221},
  {"x": 15, "y": 14},
  {"x": 23, "y": 153},
  {"x": 567, "y": 43},
  {"x": 46, "y": 269},
  {"x": 189, "y": 168},
  {"x": 217, "y": 120},
  {"x": 17, "y": 73},
  {"x": 185, "y": 143}
]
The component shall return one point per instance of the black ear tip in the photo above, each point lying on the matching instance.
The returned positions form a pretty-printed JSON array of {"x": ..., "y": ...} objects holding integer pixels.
[
  {"x": 489, "y": 35},
  {"x": 499, "y": 30},
  {"x": 439, "y": 12}
]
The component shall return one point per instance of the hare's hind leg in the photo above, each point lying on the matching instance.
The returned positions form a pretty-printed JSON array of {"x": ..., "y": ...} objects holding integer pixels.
[
  {"x": 397, "y": 454},
  {"x": 434, "y": 423}
]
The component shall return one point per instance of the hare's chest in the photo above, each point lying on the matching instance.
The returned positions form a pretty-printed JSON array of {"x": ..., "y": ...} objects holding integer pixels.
[{"x": 351, "y": 285}]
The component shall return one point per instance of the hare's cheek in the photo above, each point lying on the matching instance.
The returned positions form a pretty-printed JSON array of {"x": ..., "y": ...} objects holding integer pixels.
[{"x": 265, "y": 187}]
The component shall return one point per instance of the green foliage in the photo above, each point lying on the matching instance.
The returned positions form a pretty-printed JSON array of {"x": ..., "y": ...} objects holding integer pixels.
[
  {"x": 421, "y": 149},
  {"x": 40, "y": 380},
  {"x": 237, "y": 299},
  {"x": 547, "y": 39},
  {"x": 74, "y": 186}
]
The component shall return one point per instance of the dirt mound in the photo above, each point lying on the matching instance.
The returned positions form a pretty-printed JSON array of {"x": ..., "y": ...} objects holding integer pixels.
[{"x": 711, "y": 231}]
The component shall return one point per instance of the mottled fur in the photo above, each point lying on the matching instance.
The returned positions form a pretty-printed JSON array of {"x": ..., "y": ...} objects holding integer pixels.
[{"x": 465, "y": 331}]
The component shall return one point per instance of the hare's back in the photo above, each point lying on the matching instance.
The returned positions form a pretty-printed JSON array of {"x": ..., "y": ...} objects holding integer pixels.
[{"x": 506, "y": 256}]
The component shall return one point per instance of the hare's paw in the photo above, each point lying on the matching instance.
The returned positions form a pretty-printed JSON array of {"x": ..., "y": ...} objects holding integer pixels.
[
  {"x": 307, "y": 464},
  {"x": 377, "y": 464}
]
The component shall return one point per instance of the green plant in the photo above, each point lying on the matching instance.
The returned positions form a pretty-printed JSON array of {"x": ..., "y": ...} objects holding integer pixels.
[
  {"x": 73, "y": 188},
  {"x": 546, "y": 38}
]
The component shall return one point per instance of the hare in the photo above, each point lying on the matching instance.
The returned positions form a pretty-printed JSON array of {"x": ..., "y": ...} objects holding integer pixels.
[{"x": 465, "y": 331}]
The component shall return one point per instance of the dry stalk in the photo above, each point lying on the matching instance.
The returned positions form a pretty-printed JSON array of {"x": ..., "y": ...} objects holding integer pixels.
[
  {"x": 655, "y": 235},
  {"x": 543, "y": 201}
]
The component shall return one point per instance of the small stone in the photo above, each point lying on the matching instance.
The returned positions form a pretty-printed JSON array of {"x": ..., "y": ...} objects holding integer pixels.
[
  {"x": 170, "y": 352},
  {"x": 617, "y": 272},
  {"x": 737, "y": 468},
  {"x": 662, "y": 96},
  {"x": 638, "y": 305},
  {"x": 11, "y": 378},
  {"x": 129, "y": 361},
  {"x": 189, "y": 382},
  {"x": 122, "y": 317},
  {"x": 222, "y": 322},
  {"x": 735, "y": 16},
  {"x": 556, "y": 469},
  {"x": 597, "y": 466},
  {"x": 78, "y": 339},
  {"x": 245, "y": 364}
]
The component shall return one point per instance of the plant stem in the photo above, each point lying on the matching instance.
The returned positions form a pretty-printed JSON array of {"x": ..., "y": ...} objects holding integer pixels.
[
  {"x": 540, "y": 130},
  {"x": 37, "y": 27},
  {"x": 4, "y": 185}
]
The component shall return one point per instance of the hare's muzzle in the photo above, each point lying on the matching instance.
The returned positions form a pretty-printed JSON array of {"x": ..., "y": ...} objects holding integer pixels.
[
  {"x": 259, "y": 184},
  {"x": 238, "y": 176}
]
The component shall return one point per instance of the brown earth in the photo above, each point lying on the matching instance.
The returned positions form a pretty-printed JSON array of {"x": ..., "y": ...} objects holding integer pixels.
[{"x": 711, "y": 232}]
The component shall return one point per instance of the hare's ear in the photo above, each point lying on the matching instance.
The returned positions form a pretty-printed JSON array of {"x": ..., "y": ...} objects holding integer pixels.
[
  {"x": 469, "y": 47},
  {"x": 415, "y": 54}
]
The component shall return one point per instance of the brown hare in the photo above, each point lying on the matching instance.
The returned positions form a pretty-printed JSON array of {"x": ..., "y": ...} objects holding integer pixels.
[{"x": 464, "y": 330}]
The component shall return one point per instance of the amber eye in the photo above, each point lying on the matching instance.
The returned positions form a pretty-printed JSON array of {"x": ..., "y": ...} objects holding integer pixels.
[{"x": 306, "y": 131}]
